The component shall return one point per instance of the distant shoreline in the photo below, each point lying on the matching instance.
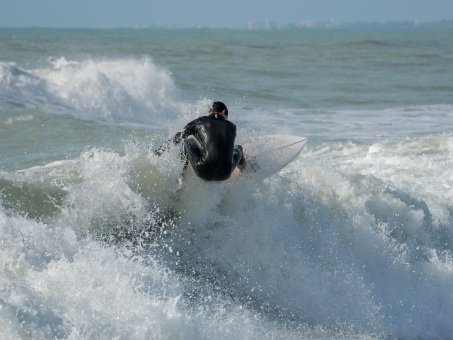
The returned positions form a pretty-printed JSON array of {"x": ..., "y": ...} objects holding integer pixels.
[{"x": 271, "y": 25}]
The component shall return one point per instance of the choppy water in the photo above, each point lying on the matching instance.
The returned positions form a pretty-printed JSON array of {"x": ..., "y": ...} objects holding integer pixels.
[{"x": 353, "y": 239}]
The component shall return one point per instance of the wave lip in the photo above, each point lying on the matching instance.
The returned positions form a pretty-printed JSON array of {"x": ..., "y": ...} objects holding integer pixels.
[{"x": 121, "y": 90}]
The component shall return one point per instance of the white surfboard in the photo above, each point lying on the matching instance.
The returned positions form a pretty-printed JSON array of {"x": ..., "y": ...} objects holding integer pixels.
[
  {"x": 268, "y": 154},
  {"x": 265, "y": 156}
]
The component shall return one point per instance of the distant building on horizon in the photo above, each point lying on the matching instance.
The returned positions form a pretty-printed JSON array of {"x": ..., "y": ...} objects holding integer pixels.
[{"x": 259, "y": 25}]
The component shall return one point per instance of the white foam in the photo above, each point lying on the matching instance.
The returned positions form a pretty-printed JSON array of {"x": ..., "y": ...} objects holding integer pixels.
[
  {"x": 122, "y": 90},
  {"x": 369, "y": 125},
  {"x": 320, "y": 250},
  {"x": 392, "y": 208}
]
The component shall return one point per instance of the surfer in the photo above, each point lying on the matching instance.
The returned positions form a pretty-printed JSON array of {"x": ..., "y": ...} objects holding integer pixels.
[{"x": 208, "y": 143}]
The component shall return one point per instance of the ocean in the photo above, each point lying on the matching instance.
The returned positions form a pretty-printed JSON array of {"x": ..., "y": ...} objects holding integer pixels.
[{"x": 100, "y": 240}]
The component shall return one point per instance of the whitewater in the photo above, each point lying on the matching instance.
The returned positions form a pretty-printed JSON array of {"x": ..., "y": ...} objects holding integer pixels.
[{"x": 99, "y": 238}]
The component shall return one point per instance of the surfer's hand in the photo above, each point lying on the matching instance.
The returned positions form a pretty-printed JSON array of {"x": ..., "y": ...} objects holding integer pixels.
[{"x": 177, "y": 138}]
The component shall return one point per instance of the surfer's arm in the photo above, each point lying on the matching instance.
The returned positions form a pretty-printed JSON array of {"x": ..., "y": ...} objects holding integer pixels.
[{"x": 176, "y": 139}]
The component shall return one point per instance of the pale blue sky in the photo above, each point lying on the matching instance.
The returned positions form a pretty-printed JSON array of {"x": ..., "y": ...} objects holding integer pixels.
[{"x": 213, "y": 13}]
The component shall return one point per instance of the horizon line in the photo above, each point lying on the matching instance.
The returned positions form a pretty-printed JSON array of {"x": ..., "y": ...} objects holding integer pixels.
[{"x": 262, "y": 24}]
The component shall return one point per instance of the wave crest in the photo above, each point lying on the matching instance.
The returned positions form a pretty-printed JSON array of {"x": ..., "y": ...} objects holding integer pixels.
[{"x": 122, "y": 90}]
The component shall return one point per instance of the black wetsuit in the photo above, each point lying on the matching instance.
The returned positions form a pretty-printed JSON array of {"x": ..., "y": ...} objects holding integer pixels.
[{"x": 209, "y": 146}]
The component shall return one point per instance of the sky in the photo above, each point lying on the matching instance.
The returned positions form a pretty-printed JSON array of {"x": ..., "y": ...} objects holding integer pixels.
[{"x": 213, "y": 13}]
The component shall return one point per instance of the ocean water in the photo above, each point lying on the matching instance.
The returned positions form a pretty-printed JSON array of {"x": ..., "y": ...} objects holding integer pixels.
[{"x": 99, "y": 239}]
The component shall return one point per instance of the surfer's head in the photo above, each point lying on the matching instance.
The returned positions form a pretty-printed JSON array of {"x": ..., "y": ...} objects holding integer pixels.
[{"x": 220, "y": 108}]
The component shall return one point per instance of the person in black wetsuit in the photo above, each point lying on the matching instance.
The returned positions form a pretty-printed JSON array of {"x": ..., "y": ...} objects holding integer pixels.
[{"x": 209, "y": 145}]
